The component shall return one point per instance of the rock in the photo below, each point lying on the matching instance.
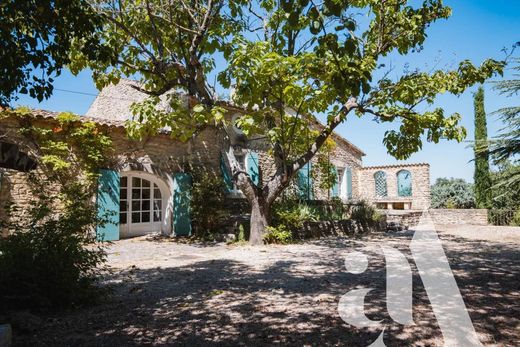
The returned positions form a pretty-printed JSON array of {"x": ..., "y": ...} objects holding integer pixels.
[
  {"x": 325, "y": 298},
  {"x": 5, "y": 335},
  {"x": 229, "y": 237},
  {"x": 25, "y": 321}
]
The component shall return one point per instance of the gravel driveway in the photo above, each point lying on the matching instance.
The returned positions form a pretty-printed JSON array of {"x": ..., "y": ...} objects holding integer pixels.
[{"x": 169, "y": 293}]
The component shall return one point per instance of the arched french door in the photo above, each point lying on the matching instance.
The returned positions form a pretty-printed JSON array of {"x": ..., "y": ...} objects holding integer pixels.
[{"x": 142, "y": 204}]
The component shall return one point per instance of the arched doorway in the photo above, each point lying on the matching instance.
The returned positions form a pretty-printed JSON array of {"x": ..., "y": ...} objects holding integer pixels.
[{"x": 142, "y": 202}]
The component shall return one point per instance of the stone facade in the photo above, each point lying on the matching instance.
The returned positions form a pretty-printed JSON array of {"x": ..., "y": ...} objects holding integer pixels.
[
  {"x": 420, "y": 198},
  {"x": 159, "y": 158}
]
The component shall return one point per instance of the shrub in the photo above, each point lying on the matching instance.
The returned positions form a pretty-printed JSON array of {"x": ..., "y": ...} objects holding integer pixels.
[
  {"x": 50, "y": 259},
  {"x": 292, "y": 214},
  {"x": 366, "y": 216},
  {"x": 452, "y": 193},
  {"x": 516, "y": 219},
  {"x": 280, "y": 234},
  {"x": 208, "y": 204}
]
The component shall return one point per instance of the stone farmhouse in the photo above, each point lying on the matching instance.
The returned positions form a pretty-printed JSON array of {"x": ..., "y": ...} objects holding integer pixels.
[{"x": 144, "y": 187}]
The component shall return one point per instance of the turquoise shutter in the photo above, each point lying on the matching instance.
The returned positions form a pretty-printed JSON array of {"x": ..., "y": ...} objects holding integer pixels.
[
  {"x": 349, "y": 183},
  {"x": 305, "y": 182},
  {"x": 107, "y": 201},
  {"x": 253, "y": 169},
  {"x": 228, "y": 182},
  {"x": 335, "y": 187},
  {"x": 181, "y": 204}
]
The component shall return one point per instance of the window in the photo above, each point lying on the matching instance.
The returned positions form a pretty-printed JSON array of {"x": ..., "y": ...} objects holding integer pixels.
[
  {"x": 404, "y": 183},
  {"x": 380, "y": 184},
  {"x": 140, "y": 201}
]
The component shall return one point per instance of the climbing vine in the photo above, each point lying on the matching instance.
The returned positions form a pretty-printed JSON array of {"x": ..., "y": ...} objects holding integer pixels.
[
  {"x": 69, "y": 151},
  {"x": 323, "y": 171}
]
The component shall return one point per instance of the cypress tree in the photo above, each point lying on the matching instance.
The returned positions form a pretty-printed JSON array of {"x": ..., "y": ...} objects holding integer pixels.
[{"x": 483, "y": 194}]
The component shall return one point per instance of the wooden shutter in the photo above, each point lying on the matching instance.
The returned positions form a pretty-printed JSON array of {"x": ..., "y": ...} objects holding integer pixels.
[
  {"x": 226, "y": 175},
  {"x": 305, "y": 184},
  {"x": 181, "y": 204},
  {"x": 253, "y": 168},
  {"x": 107, "y": 201}
]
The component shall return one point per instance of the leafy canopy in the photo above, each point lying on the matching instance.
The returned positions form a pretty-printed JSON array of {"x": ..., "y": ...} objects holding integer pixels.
[
  {"x": 505, "y": 148},
  {"x": 35, "y": 41},
  {"x": 286, "y": 61}
]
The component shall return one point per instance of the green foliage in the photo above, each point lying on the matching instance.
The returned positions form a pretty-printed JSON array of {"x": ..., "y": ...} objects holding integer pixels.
[
  {"x": 280, "y": 234},
  {"x": 506, "y": 191},
  {"x": 452, "y": 193},
  {"x": 293, "y": 214},
  {"x": 293, "y": 67},
  {"x": 70, "y": 149},
  {"x": 50, "y": 259},
  {"x": 516, "y": 219},
  {"x": 323, "y": 170},
  {"x": 366, "y": 216},
  {"x": 506, "y": 146},
  {"x": 35, "y": 41},
  {"x": 241, "y": 237},
  {"x": 208, "y": 210},
  {"x": 482, "y": 188},
  {"x": 332, "y": 210},
  {"x": 46, "y": 262}
]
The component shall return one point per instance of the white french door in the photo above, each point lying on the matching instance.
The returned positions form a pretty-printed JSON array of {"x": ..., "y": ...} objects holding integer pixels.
[{"x": 141, "y": 205}]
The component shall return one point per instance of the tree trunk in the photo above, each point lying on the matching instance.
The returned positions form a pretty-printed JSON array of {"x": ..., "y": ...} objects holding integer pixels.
[{"x": 260, "y": 220}]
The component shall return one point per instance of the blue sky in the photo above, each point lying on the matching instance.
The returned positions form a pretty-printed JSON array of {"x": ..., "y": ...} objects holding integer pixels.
[{"x": 478, "y": 29}]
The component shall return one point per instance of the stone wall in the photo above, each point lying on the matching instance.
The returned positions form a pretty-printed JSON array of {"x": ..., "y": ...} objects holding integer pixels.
[
  {"x": 460, "y": 216},
  {"x": 421, "y": 197},
  {"x": 409, "y": 219},
  {"x": 406, "y": 219}
]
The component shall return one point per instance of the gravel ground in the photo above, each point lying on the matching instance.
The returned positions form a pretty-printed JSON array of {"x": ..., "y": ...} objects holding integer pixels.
[{"x": 170, "y": 293}]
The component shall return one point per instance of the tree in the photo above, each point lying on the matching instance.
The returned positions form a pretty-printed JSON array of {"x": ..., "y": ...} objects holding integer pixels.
[
  {"x": 288, "y": 61},
  {"x": 483, "y": 194},
  {"x": 35, "y": 40},
  {"x": 506, "y": 146},
  {"x": 504, "y": 196},
  {"x": 452, "y": 193}
]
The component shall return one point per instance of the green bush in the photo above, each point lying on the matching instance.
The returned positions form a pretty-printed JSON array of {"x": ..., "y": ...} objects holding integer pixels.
[
  {"x": 280, "y": 234},
  {"x": 452, "y": 193},
  {"x": 516, "y": 219},
  {"x": 50, "y": 261},
  {"x": 208, "y": 204},
  {"x": 292, "y": 214},
  {"x": 366, "y": 215}
]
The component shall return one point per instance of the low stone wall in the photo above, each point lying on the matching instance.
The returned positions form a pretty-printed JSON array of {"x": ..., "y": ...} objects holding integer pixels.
[
  {"x": 313, "y": 230},
  {"x": 410, "y": 218},
  {"x": 460, "y": 216},
  {"x": 406, "y": 219}
]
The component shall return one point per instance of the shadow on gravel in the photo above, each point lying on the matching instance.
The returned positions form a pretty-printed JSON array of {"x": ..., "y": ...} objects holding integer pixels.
[{"x": 226, "y": 303}]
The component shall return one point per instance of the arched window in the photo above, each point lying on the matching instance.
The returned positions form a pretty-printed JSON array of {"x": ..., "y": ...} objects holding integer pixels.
[
  {"x": 404, "y": 183},
  {"x": 380, "y": 184}
]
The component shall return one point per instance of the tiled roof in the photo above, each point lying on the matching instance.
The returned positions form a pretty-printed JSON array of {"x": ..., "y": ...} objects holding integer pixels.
[
  {"x": 394, "y": 166},
  {"x": 53, "y": 115}
]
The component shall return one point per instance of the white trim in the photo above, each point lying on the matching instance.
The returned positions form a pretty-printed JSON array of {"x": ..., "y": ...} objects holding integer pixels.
[{"x": 137, "y": 229}]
